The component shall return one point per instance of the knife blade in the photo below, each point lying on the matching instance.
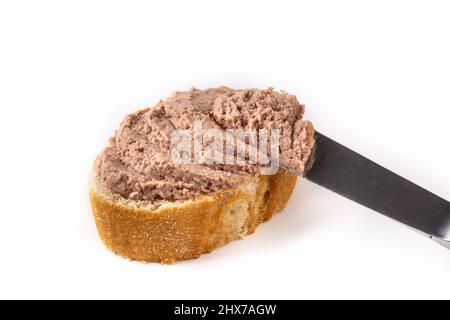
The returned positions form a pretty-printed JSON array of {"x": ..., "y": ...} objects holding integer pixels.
[{"x": 357, "y": 178}]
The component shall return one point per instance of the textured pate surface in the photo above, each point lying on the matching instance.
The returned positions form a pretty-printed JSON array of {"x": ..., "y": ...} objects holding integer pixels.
[{"x": 136, "y": 164}]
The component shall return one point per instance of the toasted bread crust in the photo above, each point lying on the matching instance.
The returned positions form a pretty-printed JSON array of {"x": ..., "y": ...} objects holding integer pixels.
[{"x": 186, "y": 230}]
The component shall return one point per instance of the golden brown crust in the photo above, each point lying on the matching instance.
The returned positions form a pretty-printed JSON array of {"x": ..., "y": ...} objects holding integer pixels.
[{"x": 187, "y": 230}]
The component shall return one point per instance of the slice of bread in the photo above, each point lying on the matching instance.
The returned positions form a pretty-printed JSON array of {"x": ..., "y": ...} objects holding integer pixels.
[{"x": 163, "y": 231}]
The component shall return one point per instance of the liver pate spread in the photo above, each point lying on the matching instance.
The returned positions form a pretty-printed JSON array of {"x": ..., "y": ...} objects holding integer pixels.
[{"x": 137, "y": 162}]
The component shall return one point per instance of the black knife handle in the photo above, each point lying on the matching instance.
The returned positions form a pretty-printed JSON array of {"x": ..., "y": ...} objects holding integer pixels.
[{"x": 357, "y": 178}]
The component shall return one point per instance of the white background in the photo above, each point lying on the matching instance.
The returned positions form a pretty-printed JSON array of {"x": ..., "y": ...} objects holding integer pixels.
[{"x": 373, "y": 75}]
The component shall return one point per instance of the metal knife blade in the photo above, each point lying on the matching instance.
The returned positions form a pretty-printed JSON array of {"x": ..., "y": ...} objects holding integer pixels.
[{"x": 355, "y": 177}]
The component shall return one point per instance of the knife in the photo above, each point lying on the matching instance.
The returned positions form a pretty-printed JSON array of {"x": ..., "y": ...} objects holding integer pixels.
[{"x": 357, "y": 178}]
